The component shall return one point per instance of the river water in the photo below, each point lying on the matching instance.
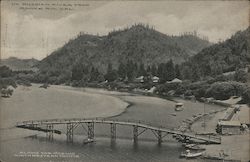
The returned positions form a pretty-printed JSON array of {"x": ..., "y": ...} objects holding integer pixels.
[{"x": 64, "y": 102}]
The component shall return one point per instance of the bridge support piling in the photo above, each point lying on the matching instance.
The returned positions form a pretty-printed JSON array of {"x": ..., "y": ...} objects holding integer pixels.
[
  {"x": 159, "y": 133},
  {"x": 113, "y": 131},
  {"x": 91, "y": 130},
  {"x": 135, "y": 133},
  {"x": 70, "y": 132},
  {"x": 49, "y": 132}
]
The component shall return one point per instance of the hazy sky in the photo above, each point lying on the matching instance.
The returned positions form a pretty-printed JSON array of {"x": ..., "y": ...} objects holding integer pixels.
[{"x": 27, "y": 33}]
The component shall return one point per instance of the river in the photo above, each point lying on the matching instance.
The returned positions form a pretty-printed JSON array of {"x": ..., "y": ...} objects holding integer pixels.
[{"x": 32, "y": 103}]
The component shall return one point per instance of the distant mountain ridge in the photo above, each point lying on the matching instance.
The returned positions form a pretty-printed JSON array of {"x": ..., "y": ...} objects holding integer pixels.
[
  {"x": 17, "y": 64},
  {"x": 139, "y": 43}
]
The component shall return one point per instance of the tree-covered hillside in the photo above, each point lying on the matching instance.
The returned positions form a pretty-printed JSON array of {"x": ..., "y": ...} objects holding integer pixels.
[
  {"x": 139, "y": 44},
  {"x": 220, "y": 58}
]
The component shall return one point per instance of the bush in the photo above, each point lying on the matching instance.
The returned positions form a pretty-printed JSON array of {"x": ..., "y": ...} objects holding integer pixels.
[
  {"x": 164, "y": 88},
  {"x": 246, "y": 96},
  {"x": 240, "y": 76},
  {"x": 181, "y": 90},
  {"x": 222, "y": 78},
  {"x": 201, "y": 92},
  {"x": 6, "y": 92},
  {"x": 224, "y": 90},
  {"x": 5, "y": 82},
  {"x": 24, "y": 82},
  {"x": 188, "y": 93},
  {"x": 80, "y": 83},
  {"x": 239, "y": 88},
  {"x": 5, "y": 72}
]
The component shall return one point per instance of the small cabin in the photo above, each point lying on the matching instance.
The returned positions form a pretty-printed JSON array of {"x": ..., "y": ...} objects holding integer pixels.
[
  {"x": 139, "y": 79},
  {"x": 155, "y": 79},
  {"x": 229, "y": 127}
]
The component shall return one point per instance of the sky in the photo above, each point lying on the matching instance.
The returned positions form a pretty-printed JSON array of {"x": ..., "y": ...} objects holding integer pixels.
[{"x": 29, "y": 32}]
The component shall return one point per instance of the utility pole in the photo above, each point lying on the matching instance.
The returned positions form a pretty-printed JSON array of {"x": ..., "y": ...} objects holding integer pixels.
[
  {"x": 204, "y": 122},
  {"x": 204, "y": 117}
]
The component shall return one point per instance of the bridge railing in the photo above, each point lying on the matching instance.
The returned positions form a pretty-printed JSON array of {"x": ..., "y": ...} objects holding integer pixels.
[
  {"x": 210, "y": 137},
  {"x": 45, "y": 121},
  {"x": 214, "y": 137}
]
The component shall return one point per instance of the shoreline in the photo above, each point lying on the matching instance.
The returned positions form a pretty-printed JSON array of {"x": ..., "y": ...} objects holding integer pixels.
[
  {"x": 118, "y": 94},
  {"x": 130, "y": 104},
  {"x": 141, "y": 101}
]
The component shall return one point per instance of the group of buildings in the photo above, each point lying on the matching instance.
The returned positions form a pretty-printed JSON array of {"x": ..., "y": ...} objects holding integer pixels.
[
  {"x": 155, "y": 79},
  {"x": 235, "y": 121}
]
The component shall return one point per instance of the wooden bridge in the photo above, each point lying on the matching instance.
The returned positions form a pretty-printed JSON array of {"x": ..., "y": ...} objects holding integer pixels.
[{"x": 138, "y": 129}]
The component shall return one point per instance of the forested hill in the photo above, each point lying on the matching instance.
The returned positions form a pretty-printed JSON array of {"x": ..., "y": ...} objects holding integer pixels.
[
  {"x": 17, "y": 64},
  {"x": 226, "y": 56},
  {"x": 140, "y": 44}
]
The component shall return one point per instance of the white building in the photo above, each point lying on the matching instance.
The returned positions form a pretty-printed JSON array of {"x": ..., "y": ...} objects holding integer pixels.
[{"x": 155, "y": 79}]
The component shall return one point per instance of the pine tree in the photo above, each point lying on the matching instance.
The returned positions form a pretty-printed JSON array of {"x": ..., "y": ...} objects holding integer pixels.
[
  {"x": 142, "y": 71},
  {"x": 177, "y": 72},
  {"x": 170, "y": 71},
  {"x": 77, "y": 72},
  {"x": 160, "y": 72},
  {"x": 153, "y": 70},
  {"x": 122, "y": 71},
  {"x": 149, "y": 69},
  {"x": 131, "y": 69},
  {"x": 111, "y": 74}
]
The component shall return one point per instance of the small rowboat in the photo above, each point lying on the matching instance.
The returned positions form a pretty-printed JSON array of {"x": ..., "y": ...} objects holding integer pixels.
[
  {"x": 179, "y": 107},
  {"x": 194, "y": 147},
  {"x": 86, "y": 141},
  {"x": 188, "y": 154}
]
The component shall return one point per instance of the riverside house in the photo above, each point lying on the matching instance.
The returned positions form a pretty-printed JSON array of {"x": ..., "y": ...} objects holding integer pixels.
[{"x": 229, "y": 127}]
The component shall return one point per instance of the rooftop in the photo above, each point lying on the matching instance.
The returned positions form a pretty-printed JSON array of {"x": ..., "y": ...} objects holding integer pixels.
[{"x": 229, "y": 123}]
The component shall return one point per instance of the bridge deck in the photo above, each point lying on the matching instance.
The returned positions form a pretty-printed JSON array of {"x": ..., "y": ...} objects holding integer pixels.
[{"x": 210, "y": 139}]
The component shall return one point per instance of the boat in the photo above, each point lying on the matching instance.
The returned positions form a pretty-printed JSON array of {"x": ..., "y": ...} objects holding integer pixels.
[
  {"x": 188, "y": 154},
  {"x": 45, "y": 86},
  {"x": 193, "y": 147},
  {"x": 88, "y": 140},
  {"x": 173, "y": 114},
  {"x": 179, "y": 106}
]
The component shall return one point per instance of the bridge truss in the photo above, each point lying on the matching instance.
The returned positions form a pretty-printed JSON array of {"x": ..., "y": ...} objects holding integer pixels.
[{"x": 138, "y": 129}]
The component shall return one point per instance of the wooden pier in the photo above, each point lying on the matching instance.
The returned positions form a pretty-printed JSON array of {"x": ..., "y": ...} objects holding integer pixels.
[{"x": 138, "y": 129}]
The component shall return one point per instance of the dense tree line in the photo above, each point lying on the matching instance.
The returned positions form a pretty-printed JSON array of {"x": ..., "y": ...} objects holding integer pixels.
[
  {"x": 126, "y": 72},
  {"x": 6, "y": 79}
]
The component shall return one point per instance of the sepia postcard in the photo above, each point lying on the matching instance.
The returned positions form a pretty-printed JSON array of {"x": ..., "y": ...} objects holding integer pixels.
[{"x": 125, "y": 81}]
